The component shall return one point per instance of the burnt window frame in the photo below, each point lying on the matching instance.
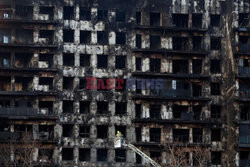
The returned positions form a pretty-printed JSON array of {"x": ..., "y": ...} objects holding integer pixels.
[
  {"x": 215, "y": 20},
  {"x": 215, "y": 88},
  {"x": 69, "y": 56},
  {"x": 120, "y": 108},
  {"x": 102, "y": 37},
  {"x": 120, "y": 38},
  {"x": 66, "y": 157},
  {"x": 85, "y": 37},
  {"x": 101, "y": 63},
  {"x": 85, "y": 14},
  {"x": 67, "y": 9},
  {"x": 102, "y": 15},
  {"x": 84, "y": 131},
  {"x": 216, "y": 67},
  {"x": 153, "y": 22},
  {"x": 120, "y": 16},
  {"x": 102, "y": 131},
  {"x": 68, "y": 35},
  {"x": 215, "y": 43},
  {"x": 122, "y": 62},
  {"x": 84, "y": 154}
]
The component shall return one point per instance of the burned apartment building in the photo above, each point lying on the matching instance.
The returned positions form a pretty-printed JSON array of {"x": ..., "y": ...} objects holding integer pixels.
[{"x": 200, "y": 49}]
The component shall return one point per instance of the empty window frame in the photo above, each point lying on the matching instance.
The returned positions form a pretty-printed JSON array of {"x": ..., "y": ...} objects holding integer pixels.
[
  {"x": 102, "y": 131},
  {"x": 196, "y": 89},
  {"x": 155, "y": 65},
  {"x": 180, "y": 43},
  {"x": 68, "y": 83},
  {"x": 197, "y": 43},
  {"x": 84, "y": 60},
  {"x": 215, "y": 158},
  {"x": 155, "y": 134},
  {"x": 181, "y": 135},
  {"x": 102, "y": 107},
  {"x": 67, "y": 154},
  {"x": 138, "y": 18},
  {"x": 84, "y": 131},
  {"x": 138, "y": 63},
  {"x": 120, "y": 62},
  {"x": 138, "y": 134},
  {"x": 67, "y": 106},
  {"x": 84, "y": 154},
  {"x": 215, "y": 111},
  {"x": 102, "y": 15},
  {"x": 120, "y": 155},
  {"x": 215, "y": 66},
  {"x": 155, "y": 155},
  {"x": 244, "y": 112},
  {"x": 215, "y": 88},
  {"x": 85, "y": 37},
  {"x": 85, "y": 14},
  {"x": 48, "y": 10},
  {"x": 48, "y": 35},
  {"x": 47, "y": 81},
  {"x": 197, "y": 66},
  {"x": 120, "y": 16},
  {"x": 138, "y": 41},
  {"x": 68, "y": 59},
  {"x": 215, "y": 20},
  {"x": 137, "y": 110},
  {"x": 181, "y": 112},
  {"x": 138, "y": 159},
  {"x": 155, "y": 42},
  {"x": 197, "y": 112},
  {"x": 67, "y": 130},
  {"x": 24, "y": 12},
  {"x": 102, "y": 61},
  {"x": 68, "y": 35},
  {"x": 155, "y": 111},
  {"x": 82, "y": 83},
  {"x": 180, "y": 66},
  {"x": 121, "y": 38},
  {"x": 120, "y": 108},
  {"x": 180, "y": 20},
  {"x": 196, "y": 20},
  {"x": 68, "y": 13},
  {"x": 84, "y": 107},
  {"x": 121, "y": 129},
  {"x": 215, "y": 43},
  {"x": 46, "y": 59},
  {"x": 243, "y": 20},
  {"x": 197, "y": 135},
  {"x": 102, "y": 155},
  {"x": 102, "y": 37},
  {"x": 155, "y": 19},
  {"x": 215, "y": 134}
]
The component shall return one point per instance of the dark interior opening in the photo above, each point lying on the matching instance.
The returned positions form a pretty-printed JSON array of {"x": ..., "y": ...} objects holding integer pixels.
[
  {"x": 120, "y": 38},
  {"x": 102, "y": 155},
  {"x": 197, "y": 43},
  {"x": 215, "y": 67},
  {"x": 155, "y": 111},
  {"x": 84, "y": 131},
  {"x": 215, "y": 88},
  {"x": 102, "y": 131},
  {"x": 155, "y": 19},
  {"x": 68, "y": 130},
  {"x": 23, "y": 60},
  {"x": 48, "y": 105},
  {"x": 67, "y": 106},
  {"x": 196, "y": 90},
  {"x": 215, "y": 111},
  {"x": 68, "y": 59},
  {"x": 155, "y": 134},
  {"x": 138, "y": 41},
  {"x": 138, "y": 134},
  {"x": 197, "y": 66},
  {"x": 67, "y": 154},
  {"x": 138, "y": 63},
  {"x": 155, "y": 42},
  {"x": 180, "y": 20},
  {"x": 47, "y": 10},
  {"x": 180, "y": 66},
  {"x": 102, "y": 108},
  {"x": 155, "y": 65},
  {"x": 68, "y": 35},
  {"x": 85, "y": 14},
  {"x": 216, "y": 158},
  {"x": 197, "y": 20},
  {"x": 215, "y": 134},
  {"x": 48, "y": 58},
  {"x": 180, "y": 43},
  {"x": 120, "y": 108},
  {"x": 102, "y": 61},
  {"x": 181, "y": 112},
  {"x": 85, "y": 37},
  {"x": 82, "y": 83},
  {"x": 120, "y": 16},
  {"x": 84, "y": 154},
  {"x": 46, "y": 81},
  {"x": 68, "y": 13},
  {"x": 84, "y": 60},
  {"x": 102, "y": 15},
  {"x": 68, "y": 83},
  {"x": 181, "y": 135},
  {"x": 120, "y": 155},
  {"x": 137, "y": 110},
  {"x": 84, "y": 107},
  {"x": 215, "y": 20},
  {"x": 120, "y": 62},
  {"x": 24, "y": 12},
  {"x": 215, "y": 43},
  {"x": 102, "y": 37},
  {"x": 243, "y": 20},
  {"x": 138, "y": 18},
  {"x": 197, "y": 135}
]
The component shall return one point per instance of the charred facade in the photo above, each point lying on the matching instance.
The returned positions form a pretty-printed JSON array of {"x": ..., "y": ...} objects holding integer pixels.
[{"x": 200, "y": 49}]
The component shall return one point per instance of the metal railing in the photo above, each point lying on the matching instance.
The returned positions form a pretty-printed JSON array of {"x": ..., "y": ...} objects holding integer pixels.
[
  {"x": 244, "y": 47},
  {"x": 244, "y": 163},
  {"x": 22, "y": 111},
  {"x": 244, "y": 139},
  {"x": 244, "y": 70},
  {"x": 244, "y": 93}
]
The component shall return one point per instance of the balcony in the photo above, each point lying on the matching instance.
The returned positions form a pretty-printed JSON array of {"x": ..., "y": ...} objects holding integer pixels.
[
  {"x": 25, "y": 112},
  {"x": 243, "y": 48},
  {"x": 244, "y": 163},
  {"x": 244, "y": 140},
  {"x": 173, "y": 94}
]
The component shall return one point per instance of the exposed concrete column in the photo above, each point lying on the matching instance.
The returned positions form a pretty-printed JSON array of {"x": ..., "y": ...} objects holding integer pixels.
[
  {"x": 145, "y": 110},
  {"x": 145, "y": 134}
]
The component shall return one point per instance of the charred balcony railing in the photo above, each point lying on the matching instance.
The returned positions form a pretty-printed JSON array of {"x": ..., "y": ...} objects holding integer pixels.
[
  {"x": 244, "y": 139},
  {"x": 244, "y": 48},
  {"x": 244, "y": 70},
  {"x": 181, "y": 138},
  {"x": 171, "y": 93},
  {"x": 244, "y": 163},
  {"x": 244, "y": 93},
  {"x": 23, "y": 112}
]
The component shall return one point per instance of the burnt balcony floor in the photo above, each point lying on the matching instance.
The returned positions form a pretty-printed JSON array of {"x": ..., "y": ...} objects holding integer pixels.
[{"x": 171, "y": 75}]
